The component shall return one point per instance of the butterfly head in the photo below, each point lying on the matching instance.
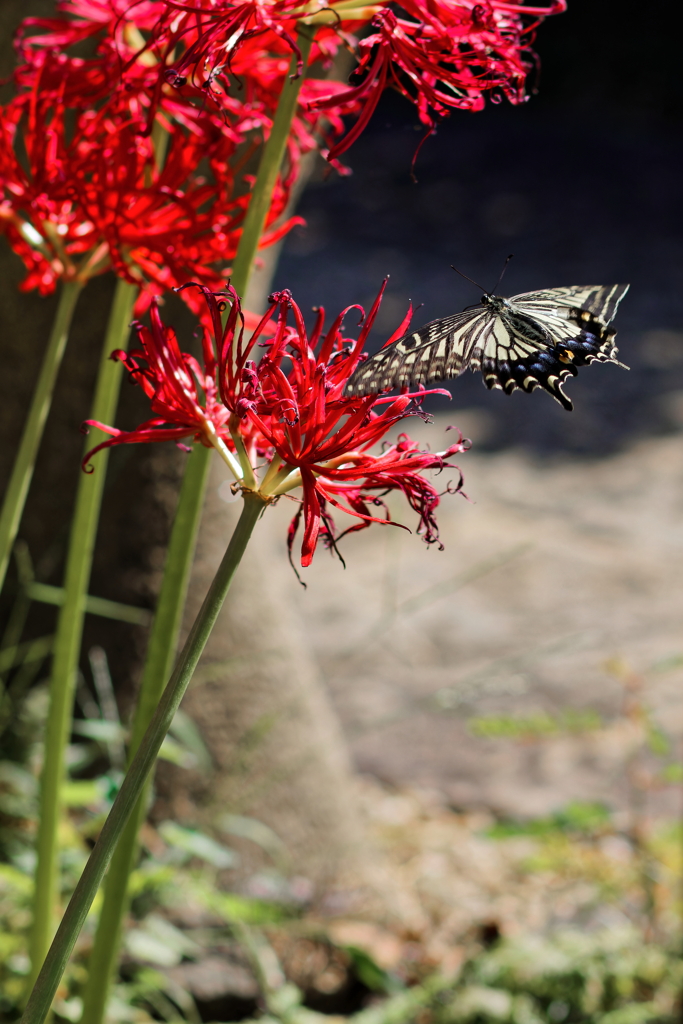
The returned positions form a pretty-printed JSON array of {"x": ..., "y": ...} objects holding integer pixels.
[{"x": 495, "y": 302}]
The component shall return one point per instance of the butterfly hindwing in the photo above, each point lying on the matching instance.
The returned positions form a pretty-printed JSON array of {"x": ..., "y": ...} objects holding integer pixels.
[
  {"x": 576, "y": 320},
  {"x": 537, "y": 339}
]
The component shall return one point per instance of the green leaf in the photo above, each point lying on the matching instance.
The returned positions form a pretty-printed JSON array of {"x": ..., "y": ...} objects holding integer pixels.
[
  {"x": 98, "y": 729},
  {"x": 159, "y": 942},
  {"x": 580, "y": 816},
  {"x": 256, "y": 832},
  {"x": 187, "y": 734},
  {"x": 12, "y": 878},
  {"x": 657, "y": 741},
  {"x": 370, "y": 973},
  {"x": 577, "y": 816},
  {"x": 196, "y": 844},
  {"x": 672, "y": 772},
  {"x": 176, "y": 754},
  {"x": 667, "y": 664},
  {"x": 633, "y": 1013},
  {"x": 536, "y": 725},
  {"x": 18, "y": 790},
  {"x": 242, "y": 908},
  {"x": 81, "y": 793}
]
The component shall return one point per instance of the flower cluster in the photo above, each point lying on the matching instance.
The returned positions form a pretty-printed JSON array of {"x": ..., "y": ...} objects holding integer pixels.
[
  {"x": 139, "y": 157},
  {"x": 441, "y": 54},
  {"x": 96, "y": 193},
  {"x": 105, "y": 164},
  {"x": 284, "y": 423}
]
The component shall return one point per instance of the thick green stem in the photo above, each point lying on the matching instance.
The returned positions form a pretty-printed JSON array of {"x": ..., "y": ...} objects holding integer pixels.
[
  {"x": 133, "y": 785},
  {"x": 20, "y": 480},
  {"x": 160, "y": 656},
  {"x": 269, "y": 168},
  {"x": 70, "y": 628}
]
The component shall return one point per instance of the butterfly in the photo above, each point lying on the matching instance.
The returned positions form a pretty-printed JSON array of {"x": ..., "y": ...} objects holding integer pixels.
[{"x": 537, "y": 339}]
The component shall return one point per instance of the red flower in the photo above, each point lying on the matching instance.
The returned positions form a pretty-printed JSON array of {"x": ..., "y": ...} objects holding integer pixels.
[
  {"x": 448, "y": 57},
  {"x": 212, "y": 35},
  {"x": 96, "y": 194},
  {"x": 201, "y": 41},
  {"x": 290, "y": 409},
  {"x": 211, "y": 54},
  {"x": 323, "y": 439},
  {"x": 183, "y": 395}
]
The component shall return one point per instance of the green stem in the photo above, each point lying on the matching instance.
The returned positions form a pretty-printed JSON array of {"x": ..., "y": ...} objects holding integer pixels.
[
  {"x": 160, "y": 656},
  {"x": 70, "y": 628},
  {"x": 133, "y": 785},
  {"x": 17, "y": 489},
  {"x": 269, "y": 168}
]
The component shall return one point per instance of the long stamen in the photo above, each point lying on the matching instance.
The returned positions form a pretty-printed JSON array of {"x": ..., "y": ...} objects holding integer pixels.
[
  {"x": 248, "y": 477},
  {"x": 272, "y": 471},
  {"x": 292, "y": 480},
  {"x": 223, "y": 450}
]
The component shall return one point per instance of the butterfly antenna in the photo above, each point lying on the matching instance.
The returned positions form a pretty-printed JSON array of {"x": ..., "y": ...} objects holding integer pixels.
[
  {"x": 505, "y": 266},
  {"x": 467, "y": 278}
]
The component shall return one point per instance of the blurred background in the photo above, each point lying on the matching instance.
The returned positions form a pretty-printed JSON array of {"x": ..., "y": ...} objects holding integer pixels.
[{"x": 450, "y": 746}]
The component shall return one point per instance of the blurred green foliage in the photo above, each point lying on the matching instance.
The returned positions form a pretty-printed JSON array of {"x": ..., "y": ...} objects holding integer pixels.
[
  {"x": 608, "y": 977},
  {"x": 187, "y": 906},
  {"x": 539, "y": 724},
  {"x": 581, "y": 818}
]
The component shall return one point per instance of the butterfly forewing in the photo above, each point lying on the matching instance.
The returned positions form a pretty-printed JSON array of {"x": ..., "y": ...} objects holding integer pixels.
[
  {"x": 440, "y": 349},
  {"x": 536, "y": 339},
  {"x": 599, "y": 300}
]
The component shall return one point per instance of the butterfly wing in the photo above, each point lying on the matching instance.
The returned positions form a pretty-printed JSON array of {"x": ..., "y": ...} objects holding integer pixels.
[
  {"x": 576, "y": 323},
  {"x": 440, "y": 349},
  {"x": 537, "y": 339},
  {"x": 601, "y": 301}
]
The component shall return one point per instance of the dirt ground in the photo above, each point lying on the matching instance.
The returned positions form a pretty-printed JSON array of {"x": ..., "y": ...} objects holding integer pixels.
[{"x": 553, "y": 573}]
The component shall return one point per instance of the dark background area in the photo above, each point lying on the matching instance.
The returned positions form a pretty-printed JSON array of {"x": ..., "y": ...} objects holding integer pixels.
[{"x": 582, "y": 184}]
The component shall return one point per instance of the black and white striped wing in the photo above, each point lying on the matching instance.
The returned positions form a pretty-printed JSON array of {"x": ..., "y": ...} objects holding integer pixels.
[
  {"x": 440, "y": 349},
  {"x": 600, "y": 301},
  {"x": 537, "y": 339},
  {"x": 576, "y": 323}
]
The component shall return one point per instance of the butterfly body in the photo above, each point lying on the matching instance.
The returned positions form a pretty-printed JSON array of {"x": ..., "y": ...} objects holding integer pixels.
[{"x": 537, "y": 339}]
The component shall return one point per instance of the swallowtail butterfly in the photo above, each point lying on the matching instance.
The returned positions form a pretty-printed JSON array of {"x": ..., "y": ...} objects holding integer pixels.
[{"x": 537, "y": 339}]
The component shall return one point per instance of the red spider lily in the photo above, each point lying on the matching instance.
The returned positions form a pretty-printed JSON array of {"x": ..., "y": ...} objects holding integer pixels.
[
  {"x": 289, "y": 409},
  {"x": 446, "y": 54},
  {"x": 142, "y": 40},
  {"x": 95, "y": 195},
  {"x": 180, "y": 38},
  {"x": 183, "y": 395},
  {"x": 98, "y": 190},
  {"x": 448, "y": 57},
  {"x": 222, "y": 32},
  {"x": 201, "y": 41},
  {"x": 120, "y": 51},
  {"x": 322, "y": 438},
  {"x": 398, "y": 468}
]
